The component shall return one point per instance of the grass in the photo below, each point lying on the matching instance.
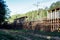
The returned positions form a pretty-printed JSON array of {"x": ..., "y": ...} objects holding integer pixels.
[
  {"x": 20, "y": 34},
  {"x": 10, "y": 35},
  {"x": 6, "y": 36},
  {"x": 49, "y": 33}
]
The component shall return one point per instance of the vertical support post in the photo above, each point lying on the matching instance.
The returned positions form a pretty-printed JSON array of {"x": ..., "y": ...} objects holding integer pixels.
[
  {"x": 59, "y": 17},
  {"x": 51, "y": 21},
  {"x": 59, "y": 21},
  {"x": 55, "y": 21}
]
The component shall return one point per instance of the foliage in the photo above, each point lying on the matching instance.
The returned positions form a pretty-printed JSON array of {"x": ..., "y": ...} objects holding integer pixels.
[
  {"x": 33, "y": 15},
  {"x": 4, "y": 11},
  {"x": 54, "y": 5},
  {"x": 36, "y": 14},
  {"x": 11, "y": 19}
]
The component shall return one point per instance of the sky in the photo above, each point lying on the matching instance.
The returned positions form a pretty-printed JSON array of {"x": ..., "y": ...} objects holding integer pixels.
[{"x": 23, "y": 6}]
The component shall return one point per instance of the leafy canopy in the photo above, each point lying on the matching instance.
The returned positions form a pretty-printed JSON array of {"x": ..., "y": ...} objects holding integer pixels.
[{"x": 4, "y": 11}]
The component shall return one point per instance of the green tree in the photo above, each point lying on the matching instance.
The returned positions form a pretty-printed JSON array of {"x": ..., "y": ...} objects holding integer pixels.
[
  {"x": 4, "y": 11},
  {"x": 54, "y": 5}
]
